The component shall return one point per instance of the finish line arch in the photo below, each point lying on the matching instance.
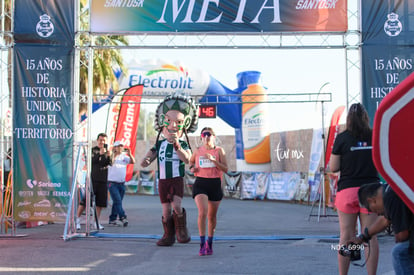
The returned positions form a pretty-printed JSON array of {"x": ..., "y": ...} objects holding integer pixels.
[
  {"x": 347, "y": 40},
  {"x": 233, "y": 42}
]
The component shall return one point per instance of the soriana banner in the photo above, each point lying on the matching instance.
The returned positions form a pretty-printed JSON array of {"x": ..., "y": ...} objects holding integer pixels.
[
  {"x": 127, "y": 125},
  {"x": 387, "y": 49},
  {"x": 43, "y": 109},
  {"x": 109, "y": 16}
]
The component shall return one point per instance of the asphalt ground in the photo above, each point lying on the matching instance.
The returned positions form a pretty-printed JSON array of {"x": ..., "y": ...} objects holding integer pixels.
[{"x": 252, "y": 237}]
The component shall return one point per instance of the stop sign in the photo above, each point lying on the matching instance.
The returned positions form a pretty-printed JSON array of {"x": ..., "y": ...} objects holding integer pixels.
[{"x": 393, "y": 140}]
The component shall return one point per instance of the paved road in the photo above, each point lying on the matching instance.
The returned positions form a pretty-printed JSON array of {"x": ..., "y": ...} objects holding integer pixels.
[{"x": 253, "y": 237}]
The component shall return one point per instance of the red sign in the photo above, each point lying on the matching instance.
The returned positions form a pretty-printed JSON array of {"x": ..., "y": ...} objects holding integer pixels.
[
  {"x": 393, "y": 133},
  {"x": 127, "y": 125},
  {"x": 333, "y": 132},
  {"x": 207, "y": 111}
]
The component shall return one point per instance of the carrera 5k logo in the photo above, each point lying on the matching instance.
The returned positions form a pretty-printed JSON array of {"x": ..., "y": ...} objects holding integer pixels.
[{"x": 32, "y": 183}]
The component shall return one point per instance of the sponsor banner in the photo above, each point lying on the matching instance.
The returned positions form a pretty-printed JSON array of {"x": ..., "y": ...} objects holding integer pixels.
[
  {"x": 290, "y": 151},
  {"x": 302, "y": 191},
  {"x": 147, "y": 183},
  {"x": 248, "y": 185},
  {"x": 43, "y": 131},
  {"x": 283, "y": 186},
  {"x": 232, "y": 182},
  {"x": 386, "y": 22},
  {"x": 44, "y": 22},
  {"x": 330, "y": 179},
  {"x": 315, "y": 187},
  {"x": 383, "y": 68},
  {"x": 252, "y": 16},
  {"x": 262, "y": 185},
  {"x": 132, "y": 185},
  {"x": 315, "y": 155},
  {"x": 127, "y": 125},
  {"x": 333, "y": 132},
  {"x": 387, "y": 49},
  {"x": 160, "y": 78}
]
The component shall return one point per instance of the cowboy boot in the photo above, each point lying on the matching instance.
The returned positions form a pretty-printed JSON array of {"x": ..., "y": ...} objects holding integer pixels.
[
  {"x": 181, "y": 231},
  {"x": 168, "y": 239}
]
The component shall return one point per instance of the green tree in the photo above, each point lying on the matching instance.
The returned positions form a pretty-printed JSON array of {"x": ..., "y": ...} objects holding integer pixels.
[{"x": 106, "y": 57}]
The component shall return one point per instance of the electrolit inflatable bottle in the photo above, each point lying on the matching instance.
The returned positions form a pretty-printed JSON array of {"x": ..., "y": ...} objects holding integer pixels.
[{"x": 255, "y": 120}]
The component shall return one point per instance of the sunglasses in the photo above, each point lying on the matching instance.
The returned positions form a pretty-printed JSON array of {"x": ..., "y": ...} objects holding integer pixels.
[{"x": 206, "y": 134}]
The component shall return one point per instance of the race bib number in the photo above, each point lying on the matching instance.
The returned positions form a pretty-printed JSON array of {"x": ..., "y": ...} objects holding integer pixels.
[{"x": 205, "y": 162}]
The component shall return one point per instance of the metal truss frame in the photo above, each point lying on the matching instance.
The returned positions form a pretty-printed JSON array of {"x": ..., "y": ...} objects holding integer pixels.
[{"x": 85, "y": 41}]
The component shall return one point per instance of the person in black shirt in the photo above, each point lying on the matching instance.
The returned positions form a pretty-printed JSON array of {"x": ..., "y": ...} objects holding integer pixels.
[
  {"x": 352, "y": 158},
  {"x": 381, "y": 199},
  {"x": 99, "y": 176}
]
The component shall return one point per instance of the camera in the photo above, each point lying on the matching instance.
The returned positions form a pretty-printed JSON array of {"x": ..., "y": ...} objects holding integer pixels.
[{"x": 352, "y": 250}]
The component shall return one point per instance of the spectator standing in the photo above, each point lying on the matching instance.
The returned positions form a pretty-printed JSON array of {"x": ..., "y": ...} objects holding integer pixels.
[
  {"x": 116, "y": 181},
  {"x": 352, "y": 158},
  {"x": 99, "y": 177}
]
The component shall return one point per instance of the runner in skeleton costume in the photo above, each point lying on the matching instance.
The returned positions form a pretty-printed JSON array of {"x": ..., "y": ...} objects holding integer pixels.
[{"x": 175, "y": 116}]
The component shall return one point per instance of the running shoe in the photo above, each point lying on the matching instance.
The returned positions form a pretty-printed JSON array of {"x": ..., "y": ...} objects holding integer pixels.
[
  {"x": 78, "y": 225},
  {"x": 209, "y": 250},
  {"x": 202, "y": 251},
  {"x": 114, "y": 222},
  {"x": 124, "y": 222}
]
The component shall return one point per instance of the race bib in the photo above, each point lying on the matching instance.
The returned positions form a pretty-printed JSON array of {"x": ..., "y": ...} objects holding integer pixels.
[{"x": 204, "y": 162}]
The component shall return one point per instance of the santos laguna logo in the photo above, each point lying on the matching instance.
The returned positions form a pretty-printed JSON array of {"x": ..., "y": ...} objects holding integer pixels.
[
  {"x": 32, "y": 183},
  {"x": 44, "y": 27}
]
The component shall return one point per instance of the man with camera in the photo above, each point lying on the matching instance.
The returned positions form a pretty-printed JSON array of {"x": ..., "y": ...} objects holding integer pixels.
[
  {"x": 381, "y": 199},
  {"x": 99, "y": 174}
]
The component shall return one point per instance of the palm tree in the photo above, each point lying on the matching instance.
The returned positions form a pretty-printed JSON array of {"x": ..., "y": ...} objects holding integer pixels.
[
  {"x": 104, "y": 59},
  {"x": 103, "y": 62}
]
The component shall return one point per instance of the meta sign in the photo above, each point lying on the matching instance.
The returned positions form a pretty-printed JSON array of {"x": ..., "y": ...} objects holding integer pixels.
[{"x": 393, "y": 148}]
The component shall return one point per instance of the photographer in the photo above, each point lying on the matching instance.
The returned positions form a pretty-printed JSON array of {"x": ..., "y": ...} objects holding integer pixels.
[
  {"x": 116, "y": 181},
  {"x": 381, "y": 199},
  {"x": 352, "y": 159},
  {"x": 99, "y": 175}
]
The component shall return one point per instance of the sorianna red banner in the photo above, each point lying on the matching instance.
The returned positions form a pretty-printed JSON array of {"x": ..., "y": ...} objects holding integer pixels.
[{"x": 127, "y": 126}]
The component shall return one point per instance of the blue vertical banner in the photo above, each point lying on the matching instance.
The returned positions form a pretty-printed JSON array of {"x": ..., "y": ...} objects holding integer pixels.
[
  {"x": 387, "y": 48},
  {"x": 43, "y": 109}
]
